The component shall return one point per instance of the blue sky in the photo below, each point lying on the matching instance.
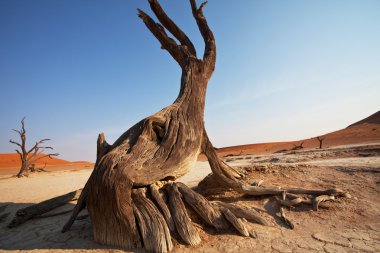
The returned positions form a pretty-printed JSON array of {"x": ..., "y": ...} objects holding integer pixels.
[{"x": 286, "y": 70}]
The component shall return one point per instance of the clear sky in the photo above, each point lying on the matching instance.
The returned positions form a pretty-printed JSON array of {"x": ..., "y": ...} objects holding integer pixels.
[{"x": 286, "y": 70}]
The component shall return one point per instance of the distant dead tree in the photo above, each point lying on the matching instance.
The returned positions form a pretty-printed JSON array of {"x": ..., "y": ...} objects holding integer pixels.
[
  {"x": 320, "y": 139},
  {"x": 29, "y": 157},
  {"x": 297, "y": 147}
]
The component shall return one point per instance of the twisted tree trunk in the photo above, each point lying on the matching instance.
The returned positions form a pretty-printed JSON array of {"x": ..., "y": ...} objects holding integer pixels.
[{"x": 161, "y": 148}]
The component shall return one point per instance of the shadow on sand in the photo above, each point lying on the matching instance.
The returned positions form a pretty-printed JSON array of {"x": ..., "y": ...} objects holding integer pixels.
[{"x": 45, "y": 233}]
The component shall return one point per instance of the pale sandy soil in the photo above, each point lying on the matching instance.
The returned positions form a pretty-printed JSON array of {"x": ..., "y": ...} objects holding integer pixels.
[{"x": 347, "y": 225}]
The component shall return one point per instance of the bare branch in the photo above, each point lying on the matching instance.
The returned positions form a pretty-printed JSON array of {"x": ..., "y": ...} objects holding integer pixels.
[
  {"x": 37, "y": 151},
  {"x": 36, "y": 145},
  {"x": 47, "y": 147},
  {"x": 23, "y": 125},
  {"x": 171, "y": 26},
  {"x": 17, "y": 131},
  {"x": 167, "y": 43},
  {"x": 20, "y": 154},
  {"x": 16, "y": 143},
  {"x": 208, "y": 37},
  {"x": 40, "y": 157}
]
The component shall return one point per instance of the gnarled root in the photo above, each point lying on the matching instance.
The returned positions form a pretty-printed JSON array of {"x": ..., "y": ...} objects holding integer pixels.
[
  {"x": 161, "y": 212},
  {"x": 290, "y": 197}
]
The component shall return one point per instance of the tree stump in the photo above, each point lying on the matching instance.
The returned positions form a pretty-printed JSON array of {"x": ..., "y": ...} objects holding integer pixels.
[{"x": 126, "y": 205}]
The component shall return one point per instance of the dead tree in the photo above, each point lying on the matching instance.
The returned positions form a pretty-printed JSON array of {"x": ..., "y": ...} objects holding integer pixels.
[
  {"x": 297, "y": 147},
  {"x": 130, "y": 196},
  {"x": 320, "y": 139},
  {"x": 29, "y": 156}
]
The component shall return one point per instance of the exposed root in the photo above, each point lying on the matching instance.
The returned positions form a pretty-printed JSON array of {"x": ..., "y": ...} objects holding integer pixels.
[
  {"x": 282, "y": 212},
  {"x": 221, "y": 170},
  {"x": 320, "y": 199},
  {"x": 257, "y": 183},
  {"x": 236, "y": 222},
  {"x": 182, "y": 221},
  {"x": 212, "y": 216},
  {"x": 290, "y": 203},
  {"x": 153, "y": 226},
  {"x": 286, "y": 220},
  {"x": 244, "y": 212},
  {"x": 81, "y": 203},
  {"x": 156, "y": 195},
  {"x": 154, "y": 231},
  {"x": 156, "y": 219}
]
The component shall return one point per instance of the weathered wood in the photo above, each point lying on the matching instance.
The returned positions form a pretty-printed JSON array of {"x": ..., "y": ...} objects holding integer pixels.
[
  {"x": 290, "y": 202},
  {"x": 171, "y": 26},
  {"x": 244, "y": 212},
  {"x": 32, "y": 211},
  {"x": 235, "y": 222},
  {"x": 321, "y": 199},
  {"x": 285, "y": 219},
  {"x": 203, "y": 207},
  {"x": 154, "y": 231},
  {"x": 163, "y": 145},
  {"x": 221, "y": 172},
  {"x": 282, "y": 212},
  {"x": 102, "y": 147},
  {"x": 182, "y": 221},
  {"x": 81, "y": 203},
  {"x": 154, "y": 191}
]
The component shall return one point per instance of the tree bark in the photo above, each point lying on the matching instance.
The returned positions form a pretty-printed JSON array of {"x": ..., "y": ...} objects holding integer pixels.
[
  {"x": 163, "y": 147},
  {"x": 32, "y": 211}
]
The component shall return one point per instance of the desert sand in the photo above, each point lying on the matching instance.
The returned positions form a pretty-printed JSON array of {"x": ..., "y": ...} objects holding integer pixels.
[{"x": 350, "y": 161}]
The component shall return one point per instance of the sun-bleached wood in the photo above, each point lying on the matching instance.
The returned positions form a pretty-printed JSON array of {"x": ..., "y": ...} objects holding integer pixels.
[
  {"x": 236, "y": 222},
  {"x": 212, "y": 216},
  {"x": 29, "y": 212},
  {"x": 163, "y": 145},
  {"x": 182, "y": 221},
  {"x": 244, "y": 212},
  {"x": 161, "y": 148},
  {"x": 152, "y": 226},
  {"x": 157, "y": 196}
]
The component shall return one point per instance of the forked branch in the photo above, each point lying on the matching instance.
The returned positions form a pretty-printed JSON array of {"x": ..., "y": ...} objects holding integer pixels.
[
  {"x": 172, "y": 27},
  {"x": 167, "y": 43},
  {"x": 208, "y": 37}
]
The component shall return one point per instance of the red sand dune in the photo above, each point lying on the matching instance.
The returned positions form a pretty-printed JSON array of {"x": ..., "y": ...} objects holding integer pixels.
[
  {"x": 373, "y": 119},
  {"x": 13, "y": 160},
  {"x": 10, "y": 164},
  {"x": 361, "y": 132}
]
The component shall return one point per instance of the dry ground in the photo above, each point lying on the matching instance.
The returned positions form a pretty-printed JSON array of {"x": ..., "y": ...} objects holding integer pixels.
[{"x": 347, "y": 225}]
